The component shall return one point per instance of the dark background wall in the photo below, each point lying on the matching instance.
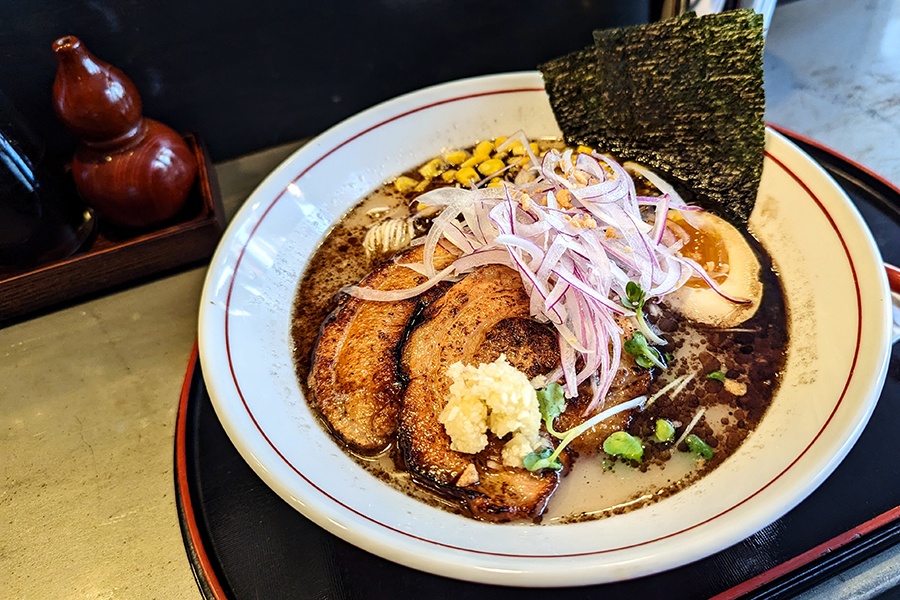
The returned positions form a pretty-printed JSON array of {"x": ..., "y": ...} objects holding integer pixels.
[{"x": 247, "y": 74}]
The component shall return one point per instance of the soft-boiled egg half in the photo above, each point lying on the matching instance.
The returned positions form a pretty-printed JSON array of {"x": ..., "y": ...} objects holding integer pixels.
[{"x": 725, "y": 254}]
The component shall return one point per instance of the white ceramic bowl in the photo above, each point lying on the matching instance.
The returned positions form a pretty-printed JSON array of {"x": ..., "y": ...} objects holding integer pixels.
[{"x": 839, "y": 325}]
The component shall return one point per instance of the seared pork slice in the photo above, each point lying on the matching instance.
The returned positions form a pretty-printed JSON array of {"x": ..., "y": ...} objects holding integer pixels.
[
  {"x": 355, "y": 378},
  {"x": 472, "y": 319},
  {"x": 503, "y": 493},
  {"x": 630, "y": 382}
]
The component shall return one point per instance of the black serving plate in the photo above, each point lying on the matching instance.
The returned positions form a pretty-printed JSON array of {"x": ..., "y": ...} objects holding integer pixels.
[{"x": 245, "y": 542}]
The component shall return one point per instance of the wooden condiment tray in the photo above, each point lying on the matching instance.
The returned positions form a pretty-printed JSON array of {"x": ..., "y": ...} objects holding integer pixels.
[{"x": 110, "y": 260}]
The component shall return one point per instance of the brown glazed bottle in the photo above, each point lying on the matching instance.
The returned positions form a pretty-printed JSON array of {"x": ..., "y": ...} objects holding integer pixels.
[{"x": 134, "y": 172}]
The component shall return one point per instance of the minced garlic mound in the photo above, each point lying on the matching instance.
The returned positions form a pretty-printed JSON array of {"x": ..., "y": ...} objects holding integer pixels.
[{"x": 493, "y": 396}]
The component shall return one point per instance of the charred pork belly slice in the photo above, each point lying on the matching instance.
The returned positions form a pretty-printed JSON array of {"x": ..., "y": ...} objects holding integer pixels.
[
  {"x": 630, "y": 382},
  {"x": 471, "y": 320},
  {"x": 504, "y": 493},
  {"x": 355, "y": 377}
]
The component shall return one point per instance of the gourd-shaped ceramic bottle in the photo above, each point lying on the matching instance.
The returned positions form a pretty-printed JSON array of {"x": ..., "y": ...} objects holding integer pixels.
[{"x": 135, "y": 172}]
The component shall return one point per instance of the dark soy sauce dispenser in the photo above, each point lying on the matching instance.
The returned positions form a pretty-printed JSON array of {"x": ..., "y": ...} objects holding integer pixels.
[{"x": 39, "y": 221}]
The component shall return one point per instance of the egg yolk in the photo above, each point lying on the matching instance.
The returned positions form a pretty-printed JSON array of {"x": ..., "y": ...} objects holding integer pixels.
[{"x": 706, "y": 248}]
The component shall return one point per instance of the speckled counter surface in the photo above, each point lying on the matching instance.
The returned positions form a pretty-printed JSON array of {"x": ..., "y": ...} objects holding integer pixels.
[
  {"x": 833, "y": 74},
  {"x": 88, "y": 394}
]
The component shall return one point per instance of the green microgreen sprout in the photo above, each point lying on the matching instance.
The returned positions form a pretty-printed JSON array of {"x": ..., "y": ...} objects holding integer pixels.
[
  {"x": 698, "y": 446},
  {"x": 552, "y": 402},
  {"x": 717, "y": 375},
  {"x": 644, "y": 354},
  {"x": 635, "y": 296},
  {"x": 622, "y": 443},
  {"x": 634, "y": 299},
  {"x": 550, "y": 460},
  {"x": 665, "y": 431}
]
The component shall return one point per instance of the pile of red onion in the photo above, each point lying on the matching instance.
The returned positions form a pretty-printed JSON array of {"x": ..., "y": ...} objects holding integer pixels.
[{"x": 575, "y": 256}]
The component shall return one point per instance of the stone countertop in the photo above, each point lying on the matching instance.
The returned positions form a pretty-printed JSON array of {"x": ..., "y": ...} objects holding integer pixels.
[
  {"x": 90, "y": 392},
  {"x": 832, "y": 70}
]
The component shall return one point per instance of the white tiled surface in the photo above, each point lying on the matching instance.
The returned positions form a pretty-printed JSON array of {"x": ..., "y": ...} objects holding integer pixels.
[{"x": 88, "y": 394}]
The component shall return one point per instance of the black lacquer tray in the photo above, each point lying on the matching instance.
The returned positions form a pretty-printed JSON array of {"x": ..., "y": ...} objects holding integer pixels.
[{"x": 244, "y": 542}]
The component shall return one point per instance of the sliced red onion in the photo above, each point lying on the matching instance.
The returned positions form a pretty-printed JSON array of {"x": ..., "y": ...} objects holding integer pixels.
[
  {"x": 660, "y": 218},
  {"x": 712, "y": 283},
  {"x": 676, "y": 201},
  {"x": 573, "y": 281},
  {"x": 365, "y": 293},
  {"x": 482, "y": 257},
  {"x": 456, "y": 236}
]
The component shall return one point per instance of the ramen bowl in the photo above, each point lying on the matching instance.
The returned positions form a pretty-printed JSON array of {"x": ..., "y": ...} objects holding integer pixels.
[{"x": 838, "y": 317}]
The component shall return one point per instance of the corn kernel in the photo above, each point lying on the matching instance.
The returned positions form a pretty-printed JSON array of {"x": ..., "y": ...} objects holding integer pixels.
[
  {"x": 474, "y": 161},
  {"x": 431, "y": 169},
  {"x": 484, "y": 148},
  {"x": 584, "y": 150},
  {"x": 422, "y": 185},
  {"x": 517, "y": 149},
  {"x": 466, "y": 175},
  {"x": 534, "y": 147},
  {"x": 404, "y": 183},
  {"x": 495, "y": 182},
  {"x": 498, "y": 142},
  {"x": 449, "y": 175},
  {"x": 490, "y": 166},
  {"x": 456, "y": 158}
]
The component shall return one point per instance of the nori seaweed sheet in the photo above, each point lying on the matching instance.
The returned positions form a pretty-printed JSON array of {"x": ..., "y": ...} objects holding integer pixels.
[{"x": 684, "y": 97}]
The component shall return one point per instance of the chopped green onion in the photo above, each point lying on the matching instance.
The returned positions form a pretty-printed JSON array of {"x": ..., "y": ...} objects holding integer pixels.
[
  {"x": 717, "y": 375},
  {"x": 690, "y": 426},
  {"x": 621, "y": 443},
  {"x": 665, "y": 431},
  {"x": 698, "y": 446},
  {"x": 679, "y": 383}
]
